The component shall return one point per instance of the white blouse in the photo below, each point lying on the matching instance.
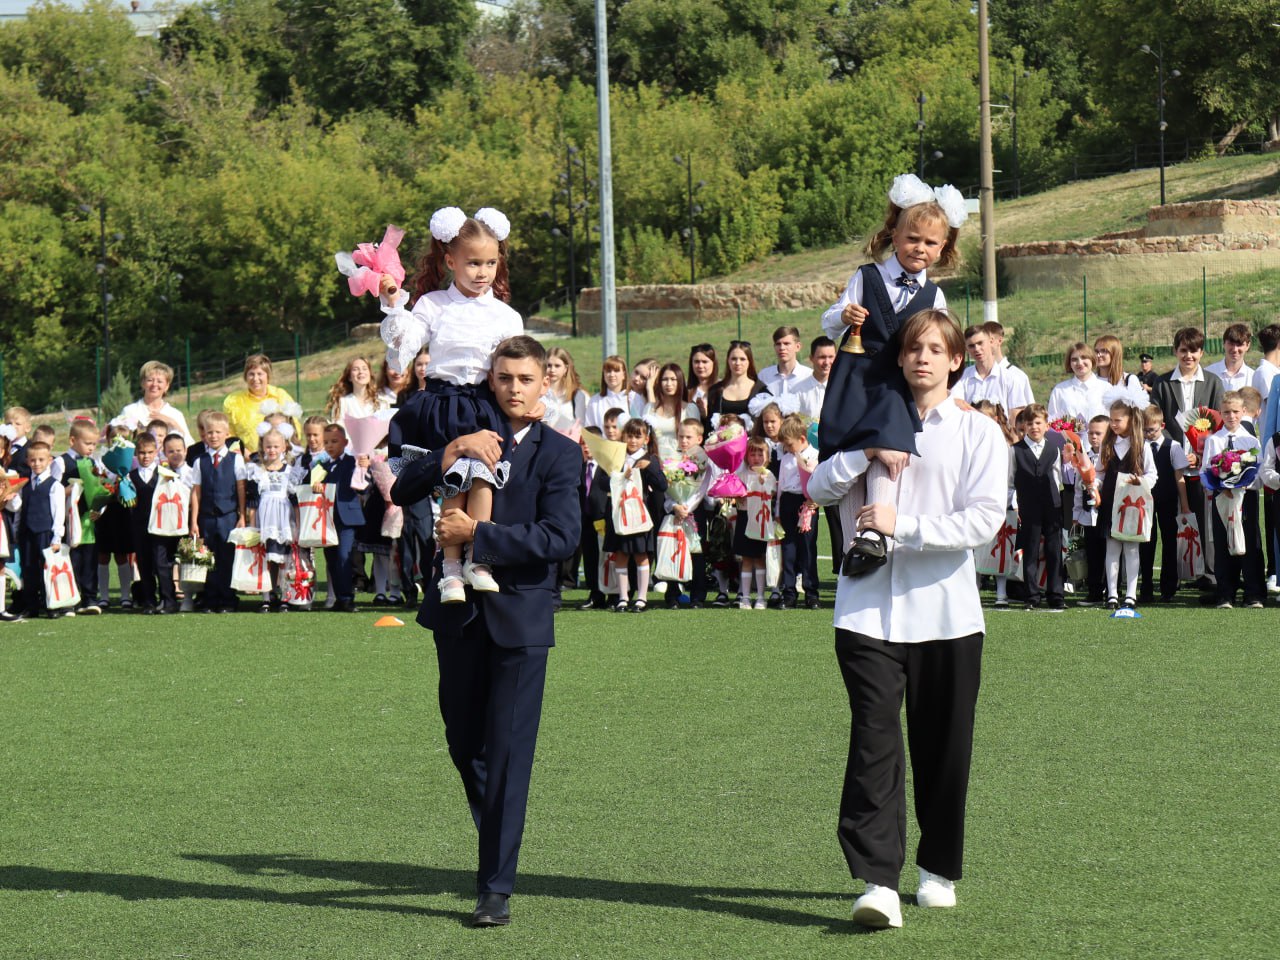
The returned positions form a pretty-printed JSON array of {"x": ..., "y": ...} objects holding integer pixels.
[
  {"x": 598, "y": 406},
  {"x": 833, "y": 324},
  {"x": 665, "y": 428},
  {"x": 459, "y": 331},
  {"x": 1078, "y": 399},
  {"x": 561, "y": 414},
  {"x": 951, "y": 500}
]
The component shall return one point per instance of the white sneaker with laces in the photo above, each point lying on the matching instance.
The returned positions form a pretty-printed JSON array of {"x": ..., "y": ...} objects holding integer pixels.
[
  {"x": 479, "y": 577},
  {"x": 452, "y": 590},
  {"x": 878, "y": 908},
  {"x": 935, "y": 891}
]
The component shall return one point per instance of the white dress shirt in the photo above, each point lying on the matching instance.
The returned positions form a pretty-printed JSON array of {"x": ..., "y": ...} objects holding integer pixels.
[
  {"x": 833, "y": 324},
  {"x": 780, "y": 383},
  {"x": 562, "y": 413},
  {"x": 459, "y": 331},
  {"x": 1262, "y": 377},
  {"x": 1232, "y": 381},
  {"x": 951, "y": 500},
  {"x": 138, "y": 412},
  {"x": 1006, "y": 385},
  {"x": 1268, "y": 473},
  {"x": 811, "y": 396},
  {"x": 1187, "y": 386},
  {"x": 789, "y": 469},
  {"x": 1078, "y": 399},
  {"x": 145, "y": 473}
]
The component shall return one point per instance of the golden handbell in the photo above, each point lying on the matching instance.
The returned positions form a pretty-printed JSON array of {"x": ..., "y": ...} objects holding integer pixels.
[{"x": 854, "y": 343}]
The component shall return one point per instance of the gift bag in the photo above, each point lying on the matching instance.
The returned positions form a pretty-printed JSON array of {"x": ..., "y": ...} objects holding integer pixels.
[
  {"x": 170, "y": 509},
  {"x": 75, "y": 530},
  {"x": 773, "y": 564},
  {"x": 630, "y": 515},
  {"x": 315, "y": 516},
  {"x": 249, "y": 572},
  {"x": 691, "y": 534},
  {"x": 606, "y": 572},
  {"x": 1076, "y": 563},
  {"x": 675, "y": 560},
  {"x": 299, "y": 579},
  {"x": 60, "y": 589},
  {"x": 1000, "y": 557},
  {"x": 1132, "y": 512},
  {"x": 5, "y": 552},
  {"x": 1230, "y": 507},
  {"x": 1190, "y": 550},
  {"x": 758, "y": 504}
]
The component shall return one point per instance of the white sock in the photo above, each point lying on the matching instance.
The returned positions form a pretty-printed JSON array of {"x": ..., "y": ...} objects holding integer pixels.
[
  {"x": 880, "y": 487},
  {"x": 452, "y": 568},
  {"x": 760, "y": 576},
  {"x": 624, "y": 581},
  {"x": 1131, "y": 561},
  {"x": 1002, "y": 588},
  {"x": 1113, "y": 567},
  {"x": 722, "y": 580},
  {"x": 642, "y": 582},
  {"x": 744, "y": 590},
  {"x": 125, "y": 572},
  {"x": 104, "y": 582},
  {"x": 380, "y": 569}
]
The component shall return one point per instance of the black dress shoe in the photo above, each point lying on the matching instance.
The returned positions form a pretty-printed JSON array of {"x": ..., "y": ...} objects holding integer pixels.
[
  {"x": 492, "y": 910},
  {"x": 864, "y": 555},
  {"x": 812, "y": 603}
]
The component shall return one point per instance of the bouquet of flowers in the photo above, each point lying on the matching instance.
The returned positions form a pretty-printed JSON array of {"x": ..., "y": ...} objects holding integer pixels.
[
  {"x": 118, "y": 458},
  {"x": 1074, "y": 454},
  {"x": 727, "y": 452},
  {"x": 1204, "y": 421},
  {"x": 364, "y": 267},
  {"x": 194, "y": 560},
  {"x": 683, "y": 476},
  {"x": 1231, "y": 469}
]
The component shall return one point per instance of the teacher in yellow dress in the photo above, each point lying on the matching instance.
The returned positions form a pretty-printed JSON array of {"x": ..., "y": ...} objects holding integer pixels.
[{"x": 243, "y": 407}]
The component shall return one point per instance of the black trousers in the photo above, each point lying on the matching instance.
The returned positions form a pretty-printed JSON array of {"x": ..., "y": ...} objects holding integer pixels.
[
  {"x": 589, "y": 547},
  {"x": 1095, "y": 555},
  {"x": 1164, "y": 531},
  {"x": 832, "y": 515},
  {"x": 940, "y": 682},
  {"x": 1246, "y": 571},
  {"x": 491, "y": 703},
  {"x": 84, "y": 564},
  {"x": 799, "y": 550},
  {"x": 1030, "y": 530}
]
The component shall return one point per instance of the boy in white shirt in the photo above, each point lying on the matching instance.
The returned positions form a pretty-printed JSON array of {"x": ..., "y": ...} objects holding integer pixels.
[
  {"x": 1243, "y": 570},
  {"x": 799, "y": 547}
]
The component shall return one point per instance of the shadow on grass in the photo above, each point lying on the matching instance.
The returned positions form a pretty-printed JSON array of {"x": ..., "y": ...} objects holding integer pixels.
[{"x": 374, "y": 880}]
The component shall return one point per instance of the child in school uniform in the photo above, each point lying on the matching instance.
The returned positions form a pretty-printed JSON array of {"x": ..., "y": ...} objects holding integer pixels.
[
  {"x": 41, "y": 525},
  {"x": 1037, "y": 477},
  {"x": 1170, "y": 496},
  {"x": 83, "y": 443},
  {"x": 273, "y": 515},
  {"x": 1085, "y": 513},
  {"x": 348, "y": 515},
  {"x": 144, "y": 477},
  {"x": 593, "y": 493},
  {"x": 642, "y": 463},
  {"x": 1245, "y": 571},
  {"x": 1126, "y": 460},
  {"x": 164, "y": 550},
  {"x": 113, "y": 535},
  {"x": 10, "y": 505},
  {"x": 749, "y": 551},
  {"x": 995, "y": 411},
  {"x": 19, "y": 418},
  {"x": 217, "y": 507},
  {"x": 799, "y": 548},
  {"x": 689, "y": 437}
]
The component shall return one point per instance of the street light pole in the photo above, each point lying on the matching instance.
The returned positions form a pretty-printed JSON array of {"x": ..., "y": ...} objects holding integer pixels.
[
  {"x": 921, "y": 100},
  {"x": 570, "y": 150},
  {"x": 1158, "y": 53}
]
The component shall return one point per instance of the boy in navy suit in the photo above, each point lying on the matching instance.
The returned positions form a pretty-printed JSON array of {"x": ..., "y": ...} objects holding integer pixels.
[
  {"x": 1037, "y": 478},
  {"x": 144, "y": 485},
  {"x": 41, "y": 524},
  {"x": 492, "y": 649},
  {"x": 217, "y": 508},
  {"x": 348, "y": 514}
]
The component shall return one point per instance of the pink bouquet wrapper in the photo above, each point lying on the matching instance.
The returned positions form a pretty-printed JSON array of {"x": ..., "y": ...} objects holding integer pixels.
[
  {"x": 376, "y": 259},
  {"x": 364, "y": 433},
  {"x": 728, "y": 456}
]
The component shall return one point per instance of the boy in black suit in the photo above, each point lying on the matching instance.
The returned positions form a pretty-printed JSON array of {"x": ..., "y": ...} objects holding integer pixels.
[
  {"x": 348, "y": 514},
  {"x": 144, "y": 485},
  {"x": 1170, "y": 496},
  {"x": 492, "y": 649},
  {"x": 1037, "y": 478}
]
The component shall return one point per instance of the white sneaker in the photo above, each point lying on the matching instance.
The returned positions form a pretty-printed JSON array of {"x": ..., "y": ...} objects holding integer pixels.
[
  {"x": 935, "y": 891},
  {"x": 1272, "y": 586},
  {"x": 452, "y": 590},
  {"x": 479, "y": 577},
  {"x": 744, "y": 603},
  {"x": 878, "y": 908},
  {"x": 762, "y": 604}
]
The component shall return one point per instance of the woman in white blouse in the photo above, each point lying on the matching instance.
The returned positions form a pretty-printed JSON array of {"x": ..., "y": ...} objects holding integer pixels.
[
  {"x": 669, "y": 408},
  {"x": 565, "y": 400},
  {"x": 1080, "y": 396},
  {"x": 354, "y": 394},
  {"x": 613, "y": 394}
]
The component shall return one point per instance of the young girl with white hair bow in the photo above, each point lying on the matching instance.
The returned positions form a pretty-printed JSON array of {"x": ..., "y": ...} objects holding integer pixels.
[
  {"x": 868, "y": 405},
  {"x": 460, "y": 326}
]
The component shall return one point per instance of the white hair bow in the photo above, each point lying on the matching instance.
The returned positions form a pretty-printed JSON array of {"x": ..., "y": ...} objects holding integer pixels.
[
  {"x": 496, "y": 221},
  {"x": 446, "y": 222},
  {"x": 908, "y": 190}
]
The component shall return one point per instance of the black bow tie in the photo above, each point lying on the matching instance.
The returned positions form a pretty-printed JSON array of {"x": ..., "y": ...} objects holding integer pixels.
[{"x": 911, "y": 283}]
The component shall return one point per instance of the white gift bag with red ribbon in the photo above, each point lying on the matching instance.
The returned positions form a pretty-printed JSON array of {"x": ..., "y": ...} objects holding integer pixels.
[
  {"x": 606, "y": 571},
  {"x": 675, "y": 556},
  {"x": 170, "y": 509},
  {"x": 1190, "y": 548},
  {"x": 315, "y": 516},
  {"x": 757, "y": 502},
  {"x": 1133, "y": 511},
  {"x": 1000, "y": 557},
  {"x": 630, "y": 515},
  {"x": 60, "y": 588},
  {"x": 1230, "y": 507},
  {"x": 249, "y": 571}
]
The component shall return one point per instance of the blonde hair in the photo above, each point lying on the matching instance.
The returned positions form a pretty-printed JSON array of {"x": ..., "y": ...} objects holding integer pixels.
[
  {"x": 881, "y": 241},
  {"x": 1115, "y": 369},
  {"x": 156, "y": 366},
  {"x": 570, "y": 383}
]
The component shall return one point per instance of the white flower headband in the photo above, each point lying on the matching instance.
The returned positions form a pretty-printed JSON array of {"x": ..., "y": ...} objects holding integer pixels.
[
  {"x": 284, "y": 429},
  {"x": 908, "y": 190},
  {"x": 447, "y": 221},
  {"x": 1134, "y": 397}
]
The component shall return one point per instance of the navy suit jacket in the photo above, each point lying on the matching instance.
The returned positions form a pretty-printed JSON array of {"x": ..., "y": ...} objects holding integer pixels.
[{"x": 536, "y": 525}]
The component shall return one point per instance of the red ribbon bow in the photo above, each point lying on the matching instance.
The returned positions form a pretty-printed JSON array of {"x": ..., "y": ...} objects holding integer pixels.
[
  {"x": 258, "y": 565},
  {"x": 323, "y": 508},
  {"x": 1140, "y": 504},
  {"x": 1006, "y": 537},
  {"x": 763, "y": 514},
  {"x": 165, "y": 500},
  {"x": 1192, "y": 549},
  {"x": 632, "y": 494},
  {"x": 682, "y": 548},
  {"x": 61, "y": 570}
]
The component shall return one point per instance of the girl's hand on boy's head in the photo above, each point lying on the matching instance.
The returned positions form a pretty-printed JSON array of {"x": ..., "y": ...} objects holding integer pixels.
[{"x": 853, "y": 313}]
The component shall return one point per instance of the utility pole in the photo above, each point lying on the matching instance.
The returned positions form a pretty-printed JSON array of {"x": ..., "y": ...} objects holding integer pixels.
[
  {"x": 608, "y": 283},
  {"x": 986, "y": 193}
]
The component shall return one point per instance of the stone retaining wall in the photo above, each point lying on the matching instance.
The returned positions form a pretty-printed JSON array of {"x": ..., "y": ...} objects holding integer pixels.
[{"x": 662, "y": 305}]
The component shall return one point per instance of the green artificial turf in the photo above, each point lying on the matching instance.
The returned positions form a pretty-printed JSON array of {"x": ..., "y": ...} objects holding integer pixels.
[{"x": 277, "y": 786}]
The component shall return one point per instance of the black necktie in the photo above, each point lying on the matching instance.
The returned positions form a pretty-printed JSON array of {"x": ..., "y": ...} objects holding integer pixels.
[
  {"x": 1231, "y": 443},
  {"x": 911, "y": 283}
]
